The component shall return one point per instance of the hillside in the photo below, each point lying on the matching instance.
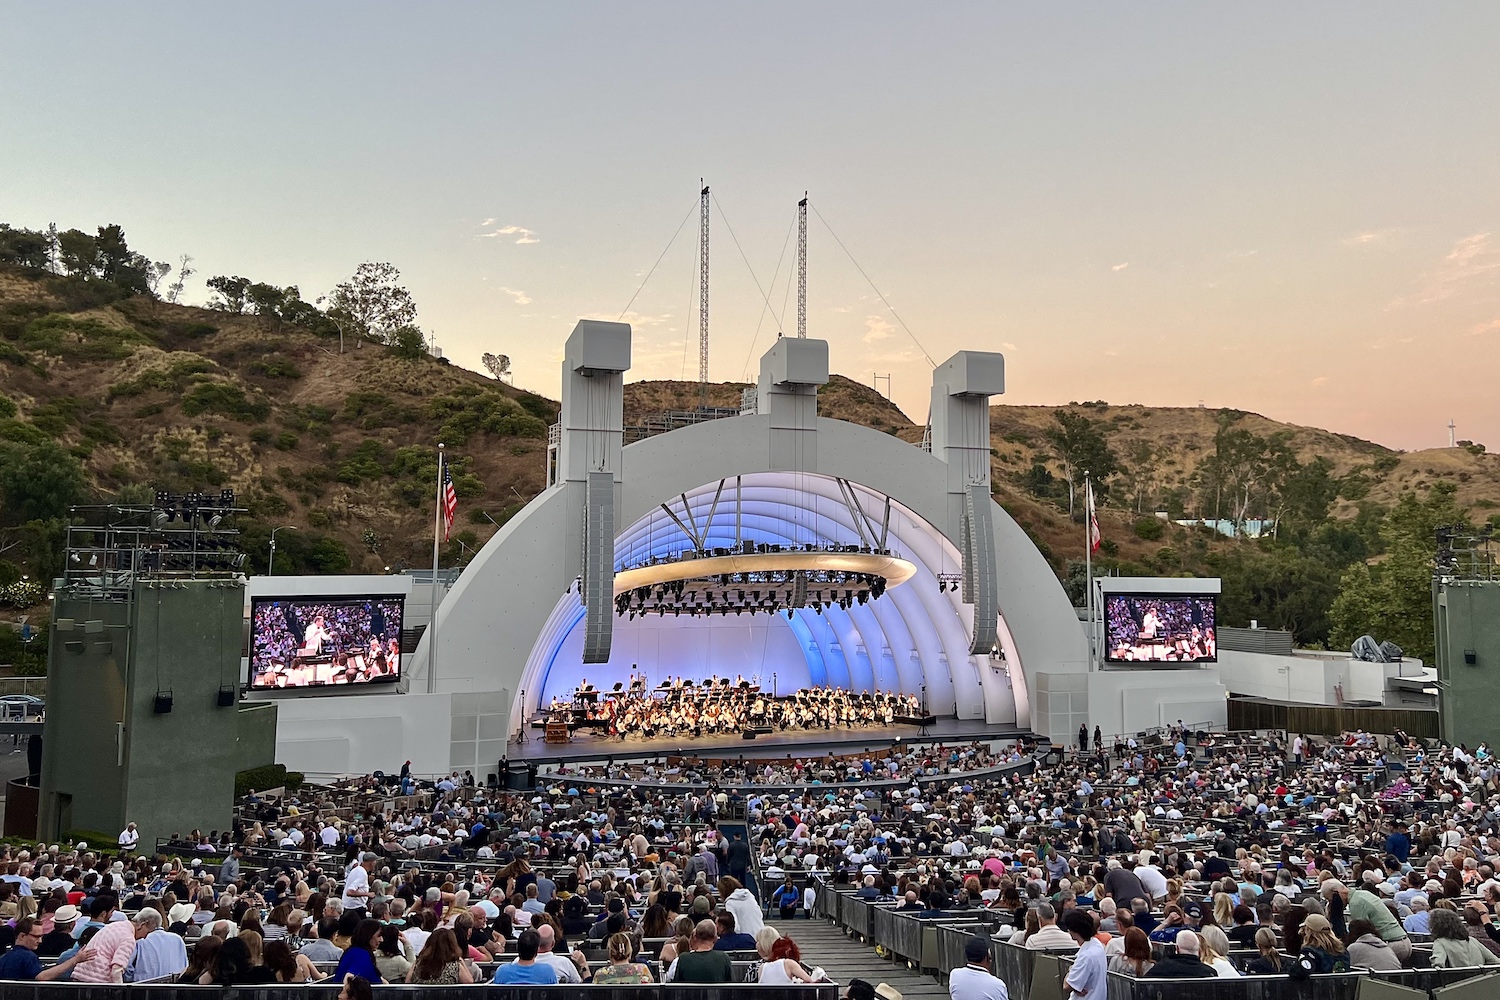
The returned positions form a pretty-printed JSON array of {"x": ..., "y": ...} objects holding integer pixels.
[
  {"x": 127, "y": 395},
  {"x": 149, "y": 395}
]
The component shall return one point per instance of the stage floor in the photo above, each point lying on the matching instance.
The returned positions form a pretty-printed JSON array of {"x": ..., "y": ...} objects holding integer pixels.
[{"x": 791, "y": 743}]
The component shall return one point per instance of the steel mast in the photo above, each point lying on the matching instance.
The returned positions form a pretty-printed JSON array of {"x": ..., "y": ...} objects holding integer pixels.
[
  {"x": 802, "y": 266},
  {"x": 703, "y": 300}
]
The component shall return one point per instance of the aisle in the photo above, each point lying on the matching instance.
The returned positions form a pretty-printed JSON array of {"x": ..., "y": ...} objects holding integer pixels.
[{"x": 844, "y": 959}]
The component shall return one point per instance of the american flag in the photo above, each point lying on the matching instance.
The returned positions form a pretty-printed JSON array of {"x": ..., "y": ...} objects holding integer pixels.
[
  {"x": 1096, "y": 537},
  {"x": 449, "y": 501}
]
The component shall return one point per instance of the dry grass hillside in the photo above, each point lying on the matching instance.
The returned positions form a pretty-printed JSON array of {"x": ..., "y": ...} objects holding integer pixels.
[{"x": 151, "y": 395}]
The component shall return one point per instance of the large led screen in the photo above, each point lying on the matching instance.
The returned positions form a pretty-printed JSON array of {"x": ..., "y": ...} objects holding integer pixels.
[
  {"x": 1150, "y": 628},
  {"x": 313, "y": 642}
]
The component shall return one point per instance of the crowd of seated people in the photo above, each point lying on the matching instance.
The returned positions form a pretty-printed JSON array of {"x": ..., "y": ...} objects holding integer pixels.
[{"x": 1181, "y": 857}]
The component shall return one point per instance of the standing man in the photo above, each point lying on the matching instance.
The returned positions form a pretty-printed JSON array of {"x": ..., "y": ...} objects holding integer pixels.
[
  {"x": 229, "y": 871},
  {"x": 1083, "y": 739},
  {"x": 129, "y": 837},
  {"x": 357, "y": 883},
  {"x": 1090, "y": 972},
  {"x": 739, "y": 860},
  {"x": 975, "y": 981}
]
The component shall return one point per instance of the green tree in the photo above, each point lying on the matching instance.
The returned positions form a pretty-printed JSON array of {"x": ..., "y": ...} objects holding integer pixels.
[
  {"x": 1392, "y": 598},
  {"x": 1080, "y": 445},
  {"x": 231, "y": 293},
  {"x": 374, "y": 303},
  {"x": 409, "y": 343},
  {"x": 38, "y": 481},
  {"x": 25, "y": 247},
  {"x": 78, "y": 252},
  {"x": 1282, "y": 589},
  {"x": 328, "y": 555}
]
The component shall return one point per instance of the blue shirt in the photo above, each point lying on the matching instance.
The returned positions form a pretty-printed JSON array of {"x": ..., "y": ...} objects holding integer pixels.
[
  {"x": 20, "y": 965},
  {"x": 535, "y": 974},
  {"x": 160, "y": 953},
  {"x": 360, "y": 962}
]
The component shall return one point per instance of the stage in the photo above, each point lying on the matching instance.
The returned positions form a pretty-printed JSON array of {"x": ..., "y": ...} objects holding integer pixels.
[{"x": 795, "y": 743}]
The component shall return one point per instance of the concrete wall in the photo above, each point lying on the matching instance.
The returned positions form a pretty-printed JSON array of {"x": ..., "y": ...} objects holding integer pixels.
[
  {"x": 256, "y": 732},
  {"x": 1311, "y": 678},
  {"x": 180, "y": 765},
  {"x": 83, "y": 777},
  {"x": 340, "y": 734},
  {"x": 108, "y": 757},
  {"x": 1468, "y": 619},
  {"x": 1129, "y": 701}
]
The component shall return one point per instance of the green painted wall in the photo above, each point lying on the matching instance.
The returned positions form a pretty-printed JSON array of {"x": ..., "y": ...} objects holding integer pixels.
[
  {"x": 257, "y": 735},
  {"x": 179, "y": 766},
  {"x": 83, "y": 783},
  {"x": 1467, "y": 617}
]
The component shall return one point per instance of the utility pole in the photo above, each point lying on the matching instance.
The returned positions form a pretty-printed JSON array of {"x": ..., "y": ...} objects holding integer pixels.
[
  {"x": 802, "y": 266},
  {"x": 703, "y": 299}
]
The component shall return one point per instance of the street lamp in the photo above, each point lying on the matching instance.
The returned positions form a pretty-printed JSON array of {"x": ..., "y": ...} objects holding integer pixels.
[{"x": 271, "y": 566}]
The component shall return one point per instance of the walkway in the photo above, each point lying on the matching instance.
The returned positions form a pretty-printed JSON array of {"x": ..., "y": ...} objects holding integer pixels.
[{"x": 844, "y": 958}]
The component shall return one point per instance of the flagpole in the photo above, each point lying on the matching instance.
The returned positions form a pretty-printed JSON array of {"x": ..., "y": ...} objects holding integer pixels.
[
  {"x": 437, "y": 529},
  {"x": 1088, "y": 560}
]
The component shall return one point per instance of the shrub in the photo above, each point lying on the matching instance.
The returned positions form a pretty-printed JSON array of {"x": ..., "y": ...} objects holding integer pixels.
[
  {"x": 286, "y": 441},
  {"x": 259, "y": 779},
  {"x": 7, "y": 407},
  {"x": 229, "y": 400},
  {"x": 366, "y": 461},
  {"x": 1149, "y": 529},
  {"x": 81, "y": 339},
  {"x": 276, "y": 367}
]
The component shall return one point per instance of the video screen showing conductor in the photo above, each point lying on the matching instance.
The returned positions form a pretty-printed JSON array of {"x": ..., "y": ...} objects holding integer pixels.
[
  {"x": 1142, "y": 628},
  {"x": 312, "y": 642}
]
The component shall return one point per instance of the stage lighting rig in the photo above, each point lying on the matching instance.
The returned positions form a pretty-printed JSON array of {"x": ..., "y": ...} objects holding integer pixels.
[{"x": 175, "y": 537}]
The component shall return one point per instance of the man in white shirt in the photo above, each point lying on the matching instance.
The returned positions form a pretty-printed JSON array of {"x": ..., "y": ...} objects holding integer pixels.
[
  {"x": 567, "y": 972},
  {"x": 1090, "y": 971},
  {"x": 1048, "y": 936},
  {"x": 975, "y": 981},
  {"x": 1152, "y": 879},
  {"x": 129, "y": 837},
  {"x": 329, "y": 836},
  {"x": 357, "y": 883}
]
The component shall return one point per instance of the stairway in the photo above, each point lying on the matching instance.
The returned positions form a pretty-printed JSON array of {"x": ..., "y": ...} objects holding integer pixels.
[
  {"x": 727, "y": 829},
  {"x": 824, "y": 945}
]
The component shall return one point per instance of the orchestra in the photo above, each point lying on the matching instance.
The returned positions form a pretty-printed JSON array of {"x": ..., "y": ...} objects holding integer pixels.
[{"x": 680, "y": 708}]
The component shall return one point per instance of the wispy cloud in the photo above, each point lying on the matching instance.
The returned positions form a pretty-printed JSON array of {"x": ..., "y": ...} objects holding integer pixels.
[
  {"x": 1370, "y": 238},
  {"x": 635, "y": 319},
  {"x": 1120, "y": 267},
  {"x": 1006, "y": 345},
  {"x": 1472, "y": 259},
  {"x": 1242, "y": 254},
  {"x": 1320, "y": 380},
  {"x": 877, "y": 329},
  {"x": 522, "y": 299},
  {"x": 1482, "y": 328},
  {"x": 522, "y": 234}
]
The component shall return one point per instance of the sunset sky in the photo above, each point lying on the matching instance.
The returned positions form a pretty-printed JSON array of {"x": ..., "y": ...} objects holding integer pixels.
[{"x": 1286, "y": 208}]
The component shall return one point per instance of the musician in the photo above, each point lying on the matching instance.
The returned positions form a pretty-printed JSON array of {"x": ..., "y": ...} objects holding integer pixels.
[
  {"x": 313, "y": 637},
  {"x": 1150, "y": 624}
]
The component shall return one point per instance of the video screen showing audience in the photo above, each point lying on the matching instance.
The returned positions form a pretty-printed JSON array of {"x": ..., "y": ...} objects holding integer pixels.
[
  {"x": 1150, "y": 629},
  {"x": 312, "y": 642}
]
